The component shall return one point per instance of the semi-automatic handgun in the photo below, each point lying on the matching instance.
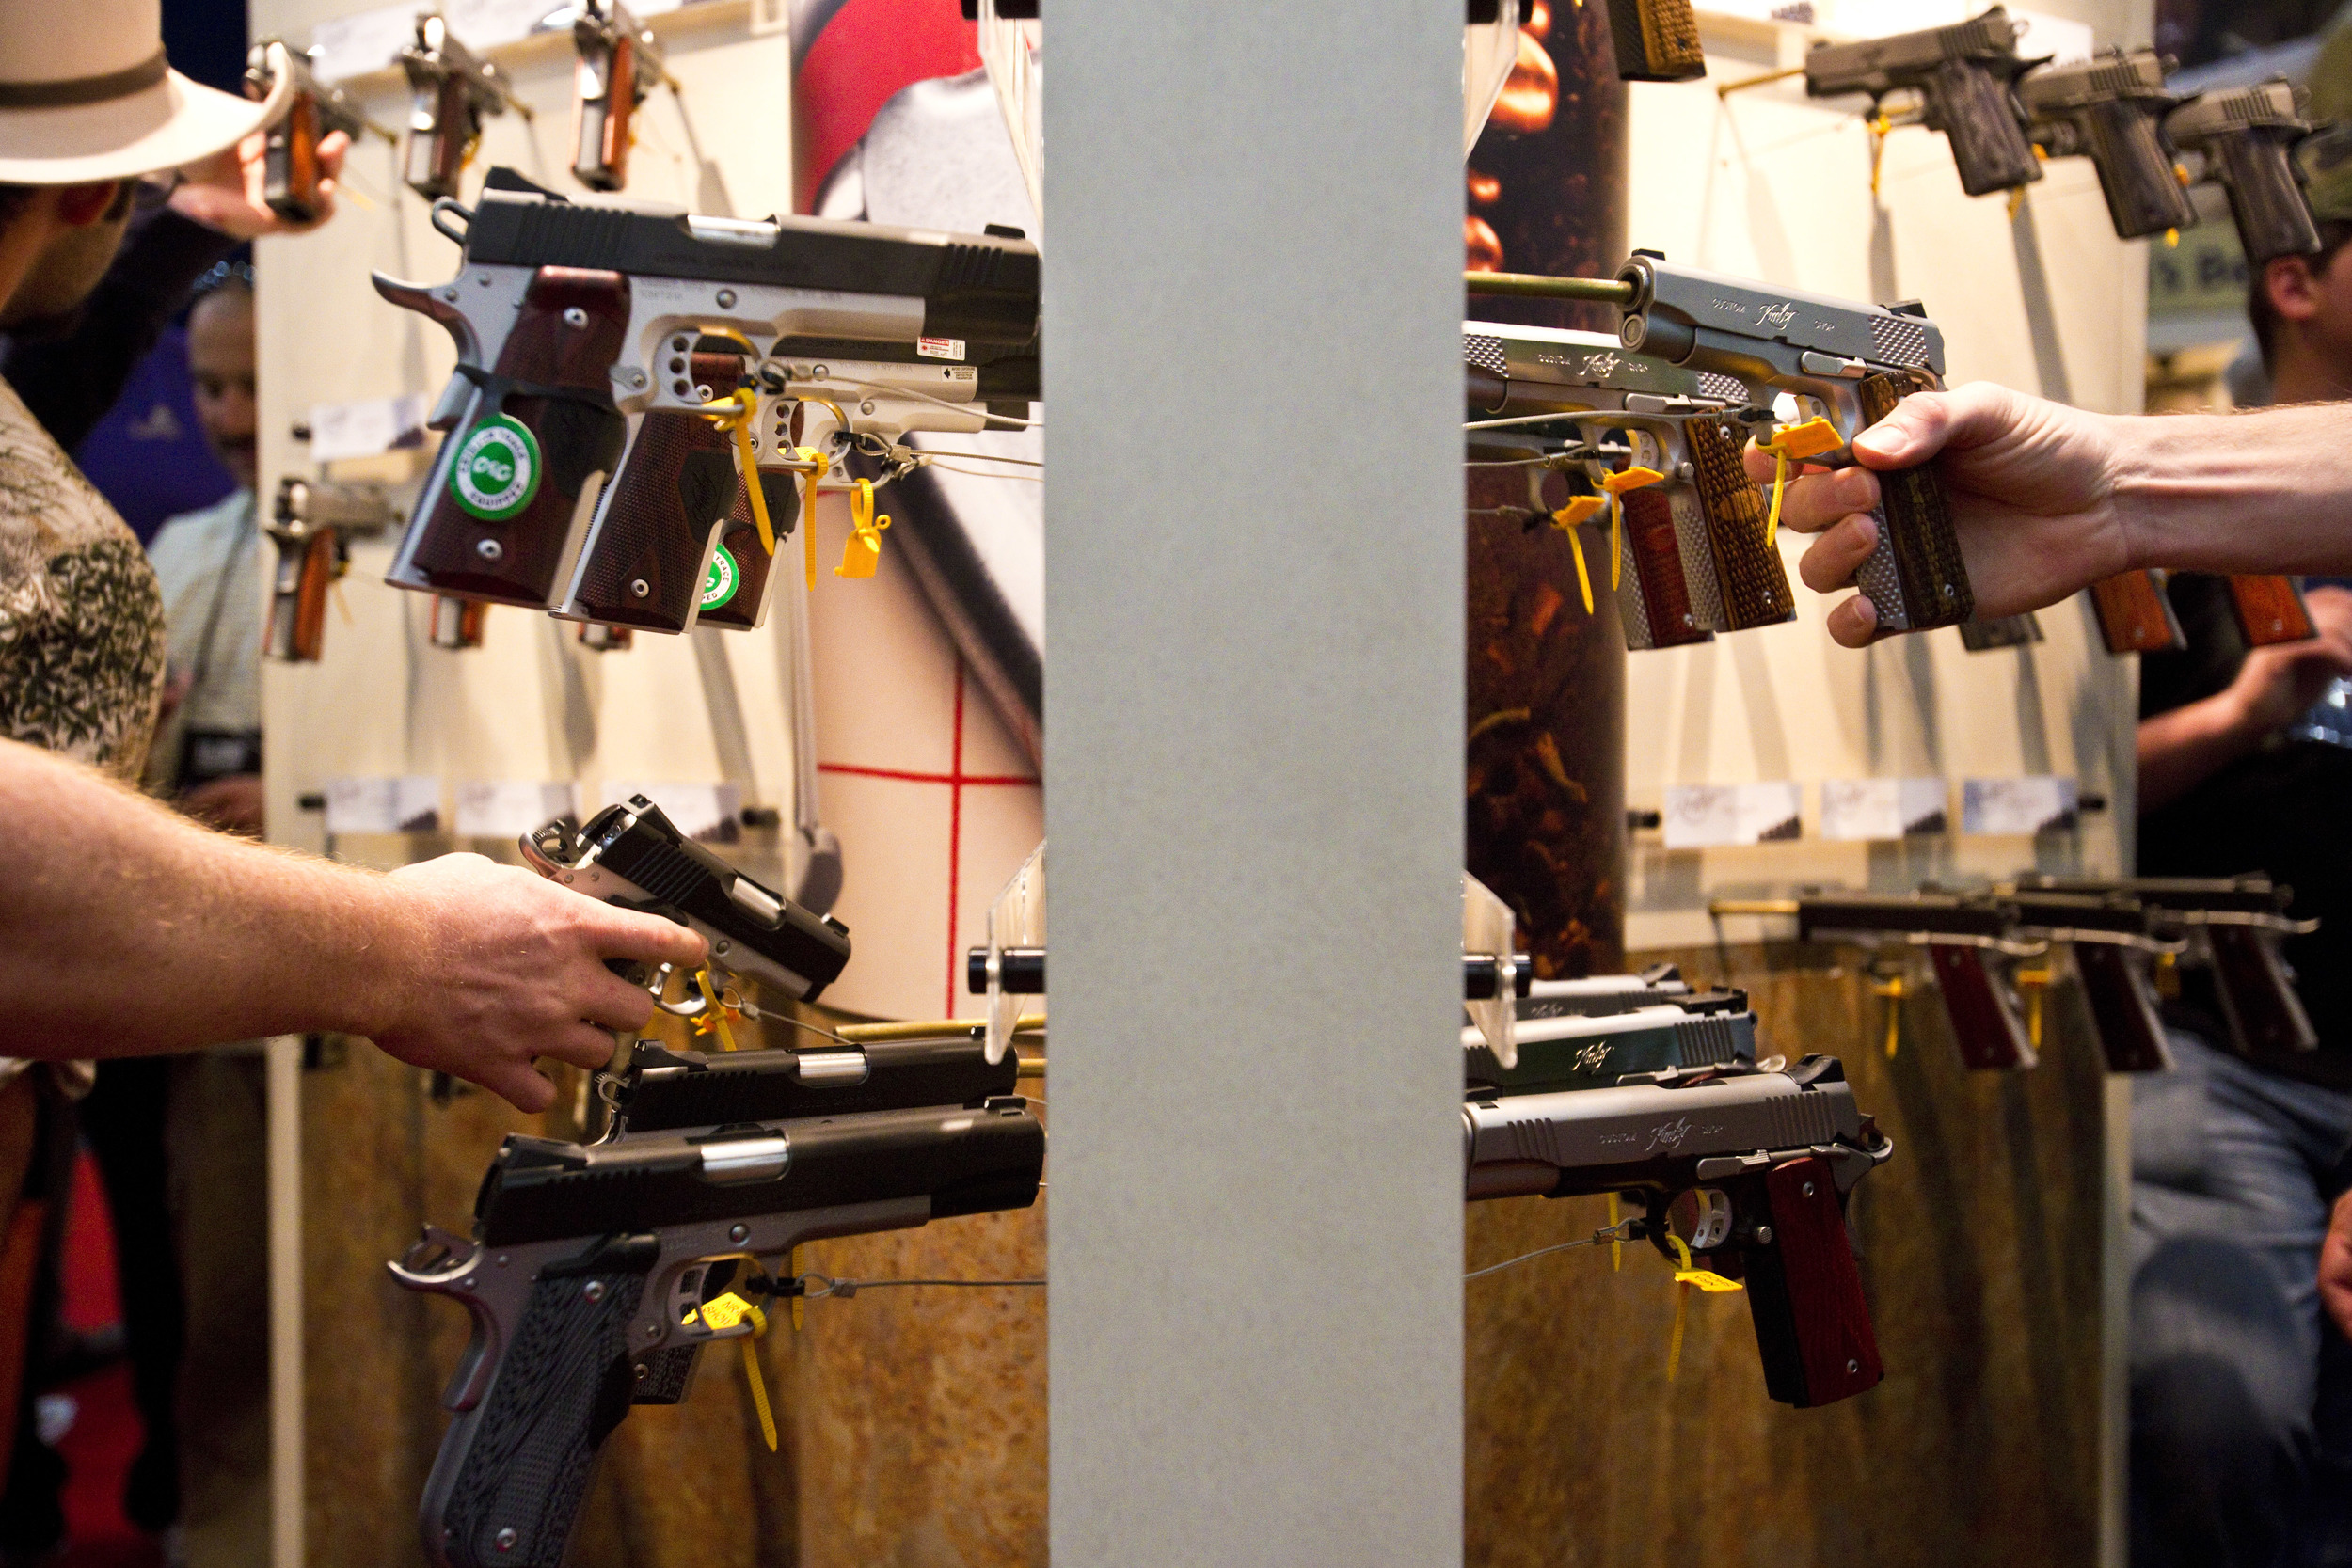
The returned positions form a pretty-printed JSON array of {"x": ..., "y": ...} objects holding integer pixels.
[
  {"x": 1750, "y": 1170},
  {"x": 1694, "y": 557},
  {"x": 289, "y": 148},
  {"x": 1967, "y": 78},
  {"x": 2246, "y": 137},
  {"x": 312, "y": 524},
  {"x": 2234, "y": 926},
  {"x": 2116, "y": 940},
  {"x": 1667, "y": 1033},
  {"x": 591, "y": 340},
  {"x": 633, "y": 856},
  {"x": 597, "y": 1274},
  {"x": 663, "y": 1090},
  {"x": 1842, "y": 361},
  {"x": 2111, "y": 110},
  {"x": 620, "y": 65},
  {"x": 1971, "y": 940},
  {"x": 449, "y": 93}
]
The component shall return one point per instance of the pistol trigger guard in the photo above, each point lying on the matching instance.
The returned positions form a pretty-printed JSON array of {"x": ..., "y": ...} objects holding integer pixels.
[
  {"x": 441, "y": 1263},
  {"x": 451, "y": 204}
]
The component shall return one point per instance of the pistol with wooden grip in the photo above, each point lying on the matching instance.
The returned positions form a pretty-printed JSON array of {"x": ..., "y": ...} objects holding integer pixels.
[
  {"x": 2269, "y": 611},
  {"x": 2115, "y": 940},
  {"x": 312, "y": 524},
  {"x": 2111, "y": 110},
  {"x": 846, "y": 333},
  {"x": 595, "y": 1275},
  {"x": 1842, "y": 361},
  {"x": 1967, "y": 78},
  {"x": 451, "y": 91},
  {"x": 619, "y": 65},
  {"x": 1750, "y": 1171},
  {"x": 291, "y": 174},
  {"x": 2245, "y": 140},
  {"x": 1696, "y": 561},
  {"x": 2234, "y": 928},
  {"x": 1970, "y": 940}
]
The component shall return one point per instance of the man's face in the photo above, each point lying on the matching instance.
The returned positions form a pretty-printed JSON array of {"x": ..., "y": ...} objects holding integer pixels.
[
  {"x": 220, "y": 361},
  {"x": 71, "y": 263}
]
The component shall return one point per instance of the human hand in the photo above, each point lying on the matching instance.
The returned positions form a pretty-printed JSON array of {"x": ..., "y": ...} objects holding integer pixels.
[
  {"x": 232, "y": 805},
  {"x": 2277, "y": 685},
  {"x": 225, "y": 191},
  {"x": 2031, "y": 486},
  {"x": 2335, "y": 1267},
  {"x": 492, "y": 966}
]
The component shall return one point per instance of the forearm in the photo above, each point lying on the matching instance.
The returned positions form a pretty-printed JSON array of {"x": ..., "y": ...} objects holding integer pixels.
[
  {"x": 126, "y": 929},
  {"x": 2267, "y": 491},
  {"x": 2181, "y": 750}
]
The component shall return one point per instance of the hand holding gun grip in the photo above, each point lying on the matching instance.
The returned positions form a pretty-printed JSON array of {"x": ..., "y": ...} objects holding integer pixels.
[
  {"x": 1915, "y": 523},
  {"x": 1755, "y": 583},
  {"x": 1656, "y": 41},
  {"x": 1804, "y": 1292},
  {"x": 2269, "y": 611},
  {"x": 2136, "y": 615},
  {"x": 551, "y": 376}
]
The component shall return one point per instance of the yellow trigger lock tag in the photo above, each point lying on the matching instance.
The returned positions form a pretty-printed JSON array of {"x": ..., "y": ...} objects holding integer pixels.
[
  {"x": 816, "y": 466},
  {"x": 1682, "y": 1307},
  {"x": 2033, "y": 982},
  {"x": 862, "y": 552},
  {"x": 718, "y": 1012},
  {"x": 1879, "y": 125},
  {"x": 725, "y": 1312},
  {"x": 1617, "y": 484},
  {"x": 1616, "y": 1248},
  {"x": 1793, "y": 442},
  {"x": 1565, "y": 520},
  {"x": 1891, "y": 993}
]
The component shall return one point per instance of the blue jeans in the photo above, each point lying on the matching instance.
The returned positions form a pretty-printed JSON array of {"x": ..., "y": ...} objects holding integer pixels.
[{"x": 2241, "y": 1446}]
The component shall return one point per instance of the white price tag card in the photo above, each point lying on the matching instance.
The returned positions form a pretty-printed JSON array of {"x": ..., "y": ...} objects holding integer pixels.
[
  {"x": 342, "y": 430},
  {"x": 404, "y": 805},
  {"x": 1881, "y": 808},
  {"x": 711, "y": 812},
  {"x": 509, "y": 808},
  {"x": 482, "y": 25},
  {"x": 2038, "y": 804},
  {"x": 369, "y": 41},
  {"x": 1703, "y": 816}
]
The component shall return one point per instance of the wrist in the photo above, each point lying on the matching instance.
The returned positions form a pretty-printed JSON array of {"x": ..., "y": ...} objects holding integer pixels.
[
  {"x": 2134, "y": 482},
  {"x": 382, "y": 946}
]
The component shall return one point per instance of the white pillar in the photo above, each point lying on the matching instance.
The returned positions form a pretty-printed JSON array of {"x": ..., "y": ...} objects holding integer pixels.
[{"x": 1255, "y": 577}]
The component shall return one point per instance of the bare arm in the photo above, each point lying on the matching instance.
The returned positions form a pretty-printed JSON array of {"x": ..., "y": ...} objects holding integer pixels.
[
  {"x": 2181, "y": 750},
  {"x": 126, "y": 929},
  {"x": 2049, "y": 499}
]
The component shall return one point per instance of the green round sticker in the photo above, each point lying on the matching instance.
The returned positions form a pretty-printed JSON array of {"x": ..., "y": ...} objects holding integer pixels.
[
  {"x": 720, "y": 582},
  {"x": 497, "y": 471}
]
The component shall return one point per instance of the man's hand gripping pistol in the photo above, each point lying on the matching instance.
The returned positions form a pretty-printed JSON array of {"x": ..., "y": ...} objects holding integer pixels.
[
  {"x": 1749, "y": 1170},
  {"x": 595, "y": 1275},
  {"x": 633, "y": 856}
]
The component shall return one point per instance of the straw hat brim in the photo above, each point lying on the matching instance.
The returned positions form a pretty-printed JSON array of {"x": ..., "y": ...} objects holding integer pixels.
[{"x": 171, "y": 123}]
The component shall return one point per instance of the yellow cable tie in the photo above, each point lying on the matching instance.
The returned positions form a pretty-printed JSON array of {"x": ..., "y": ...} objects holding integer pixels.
[
  {"x": 1879, "y": 125},
  {"x": 1799, "y": 441},
  {"x": 2033, "y": 982},
  {"x": 728, "y": 1311},
  {"x": 1583, "y": 581},
  {"x": 816, "y": 466},
  {"x": 1565, "y": 520},
  {"x": 1616, "y": 1250},
  {"x": 1891, "y": 993},
  {"x": 1617, "y": 484},
  {"x": 861, "y": 553},
  {"x": 718, "y": 1014},
  {"x": 1682, "y": 1307},
  {"x": 2172, "y": 239},
  {"x": 737, "y": 414}
]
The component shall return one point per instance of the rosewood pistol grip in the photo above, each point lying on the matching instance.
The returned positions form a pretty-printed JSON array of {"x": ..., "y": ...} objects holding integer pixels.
[
  {"x": 2122, "y": 1007},
  {"x": 1656, "y": 41},
  {"x": 2269, "y": 611},
  {"x": 641, "y": 562},
  {"x": 1916, "y": 525},
  {"x": 1983, "y": 1016},
  {"x": 566, "y": 335},
  {"x": 1651, "y": 544},
  {"x": 1755, "y": 584},
  {"x": 1813, "y": 1328},
  {"x": 601, "y": 122},
  {"x": 2136, "y": 615},
  {"x": 290, "y": 161},
  {"x": 2265, "y": 1016},
  {"x": 297, "y": 608}
]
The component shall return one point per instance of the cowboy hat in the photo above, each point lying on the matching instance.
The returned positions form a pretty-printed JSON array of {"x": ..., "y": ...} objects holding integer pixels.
[{"x": 85, "y": 95}]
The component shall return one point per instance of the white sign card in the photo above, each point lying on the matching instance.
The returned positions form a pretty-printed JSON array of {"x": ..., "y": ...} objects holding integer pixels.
[
  {"x": 1882, "y": 808},
  {"x": 404, "y": 805},
  {"x": 1704, "y": 817},
  {"x": 342, "y": 430},
  {"x": 509, "y": 808},
  {"x": 2038, "y": 804},
  {"x": 355, "y": 45},
  {"x": 711, "y": 812}
]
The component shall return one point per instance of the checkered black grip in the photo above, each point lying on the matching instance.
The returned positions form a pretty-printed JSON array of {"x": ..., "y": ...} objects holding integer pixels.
[
  {"x": 1755, "y": 584},
  {"x": 1919, "y": 521}
]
